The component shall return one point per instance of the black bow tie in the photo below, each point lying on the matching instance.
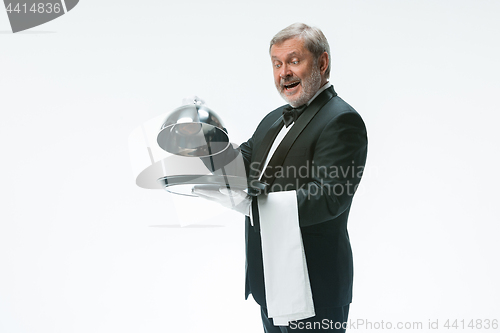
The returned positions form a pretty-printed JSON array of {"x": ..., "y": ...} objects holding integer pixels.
[{"x": 291, "y": 114}]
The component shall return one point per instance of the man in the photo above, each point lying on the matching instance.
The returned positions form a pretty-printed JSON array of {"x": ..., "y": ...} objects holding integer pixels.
[{"x": 319, "y": 154}]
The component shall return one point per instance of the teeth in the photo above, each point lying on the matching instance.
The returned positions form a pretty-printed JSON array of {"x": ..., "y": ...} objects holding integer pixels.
[{"x": 288, "y": 86}]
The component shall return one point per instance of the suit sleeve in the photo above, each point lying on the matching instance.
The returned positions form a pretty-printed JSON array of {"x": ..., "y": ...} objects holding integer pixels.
[
  {"x": 232, "y": 161},
  {"x": 338, "y": 162}
]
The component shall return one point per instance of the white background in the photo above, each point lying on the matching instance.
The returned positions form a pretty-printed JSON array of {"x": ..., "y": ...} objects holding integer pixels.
[{"x": 83, "y": 249}]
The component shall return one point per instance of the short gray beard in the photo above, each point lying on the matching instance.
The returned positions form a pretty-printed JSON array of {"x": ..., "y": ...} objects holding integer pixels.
[{"x": 310, "y": 87}]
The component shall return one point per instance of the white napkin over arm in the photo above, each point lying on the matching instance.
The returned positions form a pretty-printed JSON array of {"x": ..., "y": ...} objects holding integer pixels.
[{"x": 286, "y": 279}]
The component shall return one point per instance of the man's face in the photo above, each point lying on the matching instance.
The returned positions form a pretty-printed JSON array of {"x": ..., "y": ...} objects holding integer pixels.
[{"x": 297, "y": 74}]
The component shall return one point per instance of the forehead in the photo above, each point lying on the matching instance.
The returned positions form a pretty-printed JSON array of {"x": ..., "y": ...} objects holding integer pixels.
[{"x": 288, "y": 48}]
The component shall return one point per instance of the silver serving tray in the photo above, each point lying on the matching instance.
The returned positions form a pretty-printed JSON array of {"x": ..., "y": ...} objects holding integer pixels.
[{"x": 183, "y": 184}]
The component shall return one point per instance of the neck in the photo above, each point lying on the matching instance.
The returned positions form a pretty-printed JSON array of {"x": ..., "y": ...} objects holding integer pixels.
[{"x": 324, "y": 86}]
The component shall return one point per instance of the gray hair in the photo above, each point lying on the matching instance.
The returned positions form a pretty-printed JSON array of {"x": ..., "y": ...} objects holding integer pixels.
[{"x": 313, "y": 38}]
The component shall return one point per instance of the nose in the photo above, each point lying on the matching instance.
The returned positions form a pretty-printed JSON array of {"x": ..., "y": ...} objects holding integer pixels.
[{"x": 285, "y": 71}]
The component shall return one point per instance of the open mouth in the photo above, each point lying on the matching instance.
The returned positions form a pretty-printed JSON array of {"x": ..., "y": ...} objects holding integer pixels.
[{"x": 291, "y": 85}]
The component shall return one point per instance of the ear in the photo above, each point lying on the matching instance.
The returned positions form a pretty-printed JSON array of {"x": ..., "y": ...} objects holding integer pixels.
[{"x": 323, "y": 62}]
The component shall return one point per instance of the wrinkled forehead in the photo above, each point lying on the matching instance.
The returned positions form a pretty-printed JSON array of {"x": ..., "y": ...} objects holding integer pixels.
[{"x": 288, "y": 48}]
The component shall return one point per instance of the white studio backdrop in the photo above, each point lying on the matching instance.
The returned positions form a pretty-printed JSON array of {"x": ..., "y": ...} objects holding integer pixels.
[{"x": 82, "y": 249}]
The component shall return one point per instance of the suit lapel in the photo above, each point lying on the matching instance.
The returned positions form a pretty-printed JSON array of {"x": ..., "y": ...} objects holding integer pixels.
[
  {"x": 279, "y": 155},
  {"x": 264, "y": 147}
]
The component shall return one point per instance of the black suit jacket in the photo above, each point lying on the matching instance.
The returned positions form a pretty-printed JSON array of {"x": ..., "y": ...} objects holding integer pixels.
[{"x": 324, "y": 165}]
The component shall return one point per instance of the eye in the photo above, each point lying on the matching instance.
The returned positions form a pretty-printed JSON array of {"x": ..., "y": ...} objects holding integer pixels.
[
  {"x": 277, "y": 65},
  {"x": 295, "y": 62}
]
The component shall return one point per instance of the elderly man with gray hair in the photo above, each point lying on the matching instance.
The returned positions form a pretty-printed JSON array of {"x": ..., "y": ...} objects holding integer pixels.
[{"x": 311, "y": 155}]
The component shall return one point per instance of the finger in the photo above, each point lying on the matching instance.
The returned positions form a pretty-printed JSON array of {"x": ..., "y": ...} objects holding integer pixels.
[
  {"x": 210, "y": 193},
  {"x": 206, "y": 197}
]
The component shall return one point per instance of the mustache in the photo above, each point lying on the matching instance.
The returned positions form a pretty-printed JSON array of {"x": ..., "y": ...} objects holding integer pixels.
[{"x": 288, "y": 80}]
